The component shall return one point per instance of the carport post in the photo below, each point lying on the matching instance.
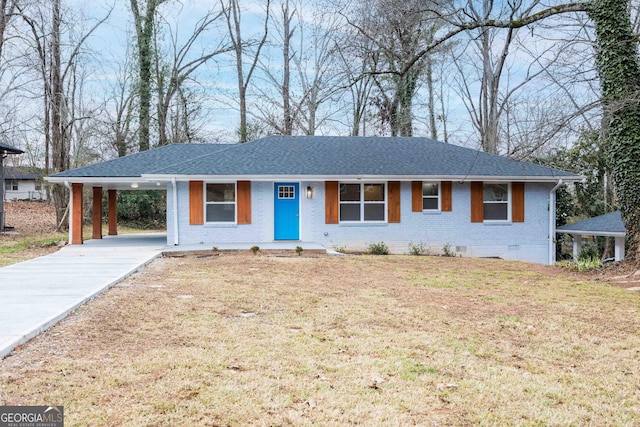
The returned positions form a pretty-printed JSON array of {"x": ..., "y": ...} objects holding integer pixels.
[
  {"x": 619, "y": 249},
  {"x": 76, "y": 214},
  {"x": 97, "y": 213},
  {"x": 112, "y": 196},
  {"x": 577, "y": 246}
]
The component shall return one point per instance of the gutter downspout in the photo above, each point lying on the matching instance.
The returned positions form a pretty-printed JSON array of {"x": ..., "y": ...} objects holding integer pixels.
[
  {"x": 552, "y": 222},
  {"x": 66, "y": 184},
  {"x": 176, "y": 239}
]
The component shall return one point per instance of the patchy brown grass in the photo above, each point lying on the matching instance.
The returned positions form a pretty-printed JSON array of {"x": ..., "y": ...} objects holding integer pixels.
[
  {"x": 33, "y": 235},
  {"x": 258, "y": 340}
]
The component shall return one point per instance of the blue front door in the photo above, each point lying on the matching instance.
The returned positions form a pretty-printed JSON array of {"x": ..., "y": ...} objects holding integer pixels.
[{"x": 286, "y": 211}]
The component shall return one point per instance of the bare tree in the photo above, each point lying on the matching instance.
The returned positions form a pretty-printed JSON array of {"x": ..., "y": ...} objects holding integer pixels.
[
  {"x": 171, "y": 77},
  {"x": 233, "y": 15},
  {"x": 118, "y": 132},
  {"x": 59, "y": 83},
  {"x": 399, "y": 32}
]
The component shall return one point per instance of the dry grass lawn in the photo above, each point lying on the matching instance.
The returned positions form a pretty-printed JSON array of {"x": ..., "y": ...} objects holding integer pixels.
[{"x": 398, "y": 340}]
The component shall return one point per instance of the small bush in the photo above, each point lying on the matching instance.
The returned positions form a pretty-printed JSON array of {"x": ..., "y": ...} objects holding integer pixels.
[
  {"x": 144, "y": 209},
  {"x": 299, "y": 250},
  {"x": 588, "y": 252},
  {"x": 448, "y": 251},
  {"x": 340, "y": 249},
  {"x": 582, "y": 264},
  {"x": 417, "y": 249},
  {"x": 378, "y": 249},
  {"x": 255, "y": 249}
]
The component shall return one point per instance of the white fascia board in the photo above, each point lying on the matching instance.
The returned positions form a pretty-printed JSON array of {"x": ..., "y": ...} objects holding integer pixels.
[
  {"x": 96, "y": 179},
  {"x": 550, "y": 179},
  {"x": 592, "y": 233}
]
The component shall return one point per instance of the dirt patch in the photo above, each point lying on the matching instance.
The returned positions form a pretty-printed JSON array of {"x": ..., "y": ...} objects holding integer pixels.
[{"x": 387, "y": 340}]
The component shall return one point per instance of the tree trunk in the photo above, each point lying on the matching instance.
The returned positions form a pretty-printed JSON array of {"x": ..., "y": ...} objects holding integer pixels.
[
  {"x": 286, "y": 77},
  {"x": 144, "y": 25},
  {"x": 59, "y": 149},
  {"x": 619, "y": 70}
]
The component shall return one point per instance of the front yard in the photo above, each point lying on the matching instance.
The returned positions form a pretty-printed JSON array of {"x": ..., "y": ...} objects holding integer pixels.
[{"x": 398, "y": 340}]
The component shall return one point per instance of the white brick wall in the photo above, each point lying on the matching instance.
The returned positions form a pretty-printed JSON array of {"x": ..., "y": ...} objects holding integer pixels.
[{"x": 526, "y": 241}]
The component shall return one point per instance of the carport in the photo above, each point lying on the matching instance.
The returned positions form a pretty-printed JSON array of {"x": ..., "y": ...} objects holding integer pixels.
[
  {"x": 124, "y": 173},
  {"x": 608, "y": 225}
]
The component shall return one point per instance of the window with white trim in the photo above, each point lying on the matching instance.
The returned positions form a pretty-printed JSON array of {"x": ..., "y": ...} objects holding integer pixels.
[
  {"x": 363, "y": 202},
  {"x": 220, "y": 203},
  {"x": 286, "y": 192},
  {"x": 11, "y": 185},
  {"x": 496, "y": 202},
  {"x": 431, "y": 196}
]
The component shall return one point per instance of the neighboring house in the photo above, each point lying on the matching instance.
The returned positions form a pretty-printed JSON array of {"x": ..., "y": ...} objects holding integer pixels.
[
  {"x": 346, "y": 192},
  {"x": 21, "y": 185},
  {"x": 607, "y": 225}
]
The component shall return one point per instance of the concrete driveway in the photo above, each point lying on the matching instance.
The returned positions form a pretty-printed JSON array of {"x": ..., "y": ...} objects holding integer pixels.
[{"x": 36, "y": 294}]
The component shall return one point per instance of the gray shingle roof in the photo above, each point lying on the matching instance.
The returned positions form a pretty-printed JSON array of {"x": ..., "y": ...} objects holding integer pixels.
[
  {"x": 134, "y": 165},
  {"x": 18, "y": 174},
  {"x": 8, "y": 149},
  {"x": 607, "y": 223},
  {"x": 319, "y": 156}
]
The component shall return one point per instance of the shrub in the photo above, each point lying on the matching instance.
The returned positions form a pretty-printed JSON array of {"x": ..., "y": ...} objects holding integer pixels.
[
  {"x": 582, "y": 264},
  {"x": 378, "y": 249},
  {"x": 142, "y": 209},
  {"x": 299, "y": 250},
  {"x": 448, "y": 251},
  {"x": 417, "y": 249},
  {"x": 255, "y": 249},
  {"x": 340, "y": 249},
  {"x": 588, "y": 252}
]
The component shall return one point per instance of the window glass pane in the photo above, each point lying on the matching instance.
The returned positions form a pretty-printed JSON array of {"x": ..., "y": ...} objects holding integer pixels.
[
  {"x": 495, "y": 211},
  {"x": 430, "y": 203},
  {"x": 429, "y": 189},
  {"x": 349, "y": 212},
  {"x": 374, "y": 192},
  {"x": 350, "y": 192},
  {"x": 221, "y": 212},
  {"x": 374, "y": 212},
  {"x": 221, "y": 193},
  {"x": 496, "y": 192},
  {"x": 286, "y": 192}
]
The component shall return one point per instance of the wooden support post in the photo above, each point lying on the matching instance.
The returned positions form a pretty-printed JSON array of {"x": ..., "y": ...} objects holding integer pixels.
[
  {"x": 113, "y": 212},
  {"x": 97, "y": 213},
  {"x": 76, "y": 214}
]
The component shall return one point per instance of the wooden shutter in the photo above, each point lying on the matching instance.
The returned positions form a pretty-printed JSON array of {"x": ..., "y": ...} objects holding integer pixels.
[
  {"x": 416, "y": 196},
  {"x": 196, "y": 202},
  {"x": 393, "y": 204},
  {"x": 517, "y": 202},
  {"x": 445, "y": 187},
  {"x": 331, "y": 202},
  {"x": 477, "y": 202},
  {"x": 244, "y": 202}
]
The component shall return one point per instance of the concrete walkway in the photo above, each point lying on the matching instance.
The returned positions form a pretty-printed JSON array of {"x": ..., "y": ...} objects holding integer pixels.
[{"x": 36, "y": 294}]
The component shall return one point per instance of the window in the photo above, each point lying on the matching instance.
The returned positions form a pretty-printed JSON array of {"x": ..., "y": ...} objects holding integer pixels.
[
  {"x": 220, "y": 204},
  {"x": 362, "y": 202},
  {"x": 286, "y": 192},
  {"x": 496, "y": 202},
  {"x": 11, "y": 185},
  {"x": 430, "y": 196}
]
